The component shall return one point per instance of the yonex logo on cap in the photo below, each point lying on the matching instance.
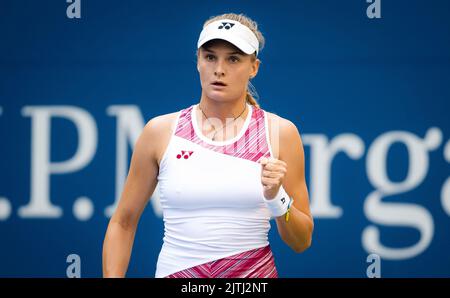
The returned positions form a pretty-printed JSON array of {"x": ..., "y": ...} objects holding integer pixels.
[{"x": 226, "y": 25}]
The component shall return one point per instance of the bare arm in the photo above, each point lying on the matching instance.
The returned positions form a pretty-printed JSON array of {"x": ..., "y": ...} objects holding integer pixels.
[
  {"x": 289, "y": 161},
  {"x": 139, "y": 186},
  {"x": 297, "y": 232}
]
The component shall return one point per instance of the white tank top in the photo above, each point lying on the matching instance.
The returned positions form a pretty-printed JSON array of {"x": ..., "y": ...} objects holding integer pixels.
[{"x": 211, "y": 193}]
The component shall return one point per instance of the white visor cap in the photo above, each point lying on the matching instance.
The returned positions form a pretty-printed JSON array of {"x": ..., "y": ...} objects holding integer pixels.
[{"x": 232, "y": 31}]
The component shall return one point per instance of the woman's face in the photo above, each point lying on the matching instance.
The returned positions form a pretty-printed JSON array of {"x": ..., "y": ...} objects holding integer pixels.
[{"x": 221, "y": 61}]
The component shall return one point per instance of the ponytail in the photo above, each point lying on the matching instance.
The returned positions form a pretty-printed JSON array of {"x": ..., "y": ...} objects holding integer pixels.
[
  {"x": 251, "y": 94},
  {"x": 249, "y": 98}
]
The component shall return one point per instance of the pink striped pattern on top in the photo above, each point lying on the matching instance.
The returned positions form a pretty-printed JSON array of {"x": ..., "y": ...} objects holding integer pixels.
[
  {"x": 252, "y": 145},
  {"x": 255, "y": 263}
]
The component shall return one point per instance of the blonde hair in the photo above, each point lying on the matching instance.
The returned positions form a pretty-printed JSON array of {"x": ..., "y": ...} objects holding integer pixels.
[{"x": 252, "y": 95}]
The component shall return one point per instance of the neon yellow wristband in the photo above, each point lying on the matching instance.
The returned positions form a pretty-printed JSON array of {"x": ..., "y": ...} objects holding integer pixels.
[{"x": 289, "y": 209}]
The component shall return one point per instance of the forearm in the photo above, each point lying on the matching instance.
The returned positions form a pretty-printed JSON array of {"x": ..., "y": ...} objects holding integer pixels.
[
  {"x": 297, "y": 232},
  {"x": 117, "y": 249}
]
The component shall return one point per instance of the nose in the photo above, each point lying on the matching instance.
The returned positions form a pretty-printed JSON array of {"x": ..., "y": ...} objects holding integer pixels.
[{"x": 219, "y": 69}]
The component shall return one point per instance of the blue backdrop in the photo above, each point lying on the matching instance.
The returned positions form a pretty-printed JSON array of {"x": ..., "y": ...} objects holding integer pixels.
[{"x": 370, "y": 97}]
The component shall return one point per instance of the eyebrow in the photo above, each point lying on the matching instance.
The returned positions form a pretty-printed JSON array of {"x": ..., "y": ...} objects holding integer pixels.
[{"x": 230, "y": 53}]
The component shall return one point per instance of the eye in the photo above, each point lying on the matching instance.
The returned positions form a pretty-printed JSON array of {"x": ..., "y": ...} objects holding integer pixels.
[
  {"x": 210, "y": 57},
  {"x": 234, "y": 59}
]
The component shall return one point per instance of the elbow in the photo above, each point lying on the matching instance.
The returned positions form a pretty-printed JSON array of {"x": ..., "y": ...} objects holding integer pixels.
[
  {"x": 126, "y": 220},
  {"x": 302, "y": 246},
  {"x": 306, "y": 242}
]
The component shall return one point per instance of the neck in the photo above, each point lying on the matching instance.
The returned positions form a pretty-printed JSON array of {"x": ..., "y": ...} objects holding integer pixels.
[{"x": 223, "y": 110}]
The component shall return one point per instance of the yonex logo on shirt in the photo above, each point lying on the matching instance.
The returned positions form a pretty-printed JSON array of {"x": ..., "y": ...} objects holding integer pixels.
[
  {"x": 185, "y": 154},
  {"x": 226, "y": 25}
]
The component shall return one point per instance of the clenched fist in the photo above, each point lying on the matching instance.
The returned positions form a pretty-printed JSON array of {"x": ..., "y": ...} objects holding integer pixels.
[{"x": 272, "y": 174}]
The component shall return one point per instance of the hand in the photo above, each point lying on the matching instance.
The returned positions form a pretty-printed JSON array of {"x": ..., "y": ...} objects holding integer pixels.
[{"x": 272, "y": 174}]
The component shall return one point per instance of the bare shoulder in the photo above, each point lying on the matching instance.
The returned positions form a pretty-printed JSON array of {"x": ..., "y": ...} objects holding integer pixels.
[
  {"x": 160, "y": 125},
  {"x": 282, "y": 132},
  {"x": 157, "y": 133}
]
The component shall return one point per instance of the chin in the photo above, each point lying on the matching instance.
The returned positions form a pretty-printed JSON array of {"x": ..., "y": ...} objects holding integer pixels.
[{"x": 216, "y": 96}]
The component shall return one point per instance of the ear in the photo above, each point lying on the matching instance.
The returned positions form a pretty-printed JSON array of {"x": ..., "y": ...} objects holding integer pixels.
[
  {"x": 198, "y": 56},
  {"x": 255, "y": 68}
]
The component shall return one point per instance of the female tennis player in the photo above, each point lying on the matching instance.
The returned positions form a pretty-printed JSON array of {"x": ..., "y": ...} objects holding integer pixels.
[{"x": 224, "y": 167}]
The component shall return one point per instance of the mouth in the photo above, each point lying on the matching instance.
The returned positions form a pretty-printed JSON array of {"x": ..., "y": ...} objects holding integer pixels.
[{"x": 218, "y": 84}]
